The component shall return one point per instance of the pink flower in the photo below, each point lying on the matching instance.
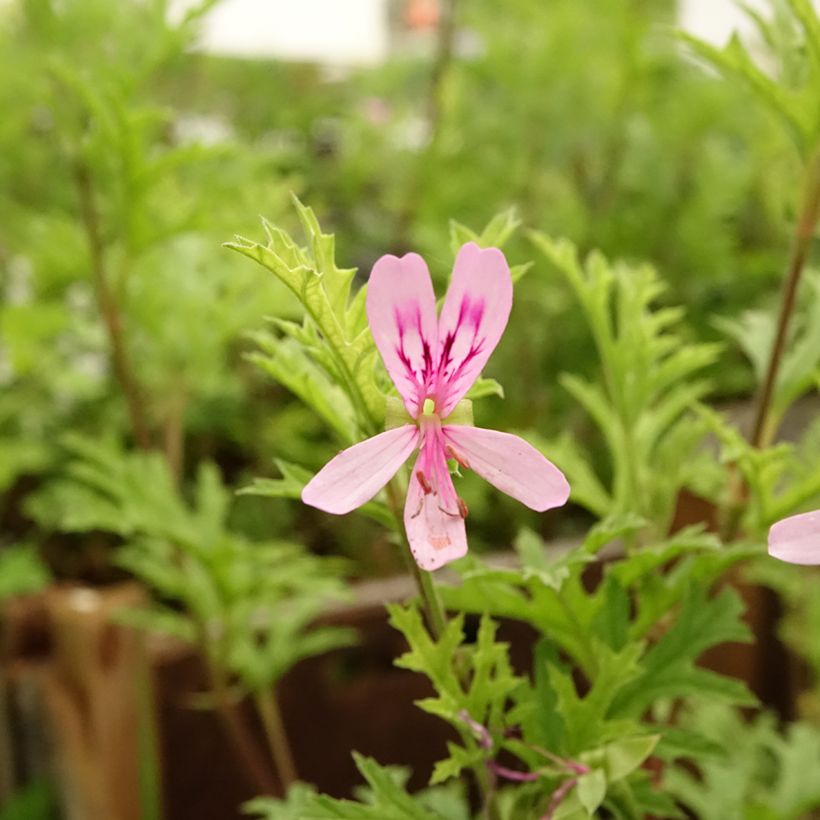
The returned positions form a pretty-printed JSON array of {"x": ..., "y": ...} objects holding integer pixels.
[
  {"x": 433, "y": 362},
  {"x": 796, "y": 539}
]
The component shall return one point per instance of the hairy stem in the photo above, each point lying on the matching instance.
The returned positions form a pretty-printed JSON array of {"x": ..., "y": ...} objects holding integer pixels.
[
  {"x": 762, "y": 430},
  {"x": 433, "y": 610},
  {"x": 268, "y": 706},
  {"x": 238, "y": 731},
  {"x": 110, "y": 308}
]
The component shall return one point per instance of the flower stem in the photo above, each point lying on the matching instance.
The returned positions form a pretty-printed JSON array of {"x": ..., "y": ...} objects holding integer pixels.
[
  {"x": 268, "y": 706},
  {"x": 434, "y": 612},
  {"x": 762, "y": 431},
  {"x": 763, "y": 428}
]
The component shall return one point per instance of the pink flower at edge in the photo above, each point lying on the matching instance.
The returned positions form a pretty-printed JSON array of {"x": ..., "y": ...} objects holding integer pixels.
[
  {"x": 433, "y": 362},
  {"x": 796, "y": 539}
]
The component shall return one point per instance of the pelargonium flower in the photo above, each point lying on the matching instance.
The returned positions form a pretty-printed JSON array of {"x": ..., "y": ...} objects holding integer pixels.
[
  {"x": 796, "y": 539},
  {"x": 433, "y": 362}
]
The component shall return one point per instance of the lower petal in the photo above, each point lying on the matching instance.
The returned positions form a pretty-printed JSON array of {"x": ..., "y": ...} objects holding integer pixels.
[
  {"x": 436, "y": 534},
  {"x": 796, "y": 539},
  {"x": 510, "y": 464},
  {"x": 355, "y": 475}
]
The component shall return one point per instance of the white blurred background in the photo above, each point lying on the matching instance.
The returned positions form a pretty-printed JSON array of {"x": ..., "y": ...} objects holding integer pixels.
[{"x": 345, "y": 32}]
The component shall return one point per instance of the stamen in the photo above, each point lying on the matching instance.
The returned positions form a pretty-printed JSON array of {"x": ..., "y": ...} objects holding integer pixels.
[
  {"x": 462, "y": 508},
  {"x": 460, "y": 460},
  {"x": 429, "y": 407},
  {"x": 452, "y": 514},
  {"x": 425, "y": 485}
]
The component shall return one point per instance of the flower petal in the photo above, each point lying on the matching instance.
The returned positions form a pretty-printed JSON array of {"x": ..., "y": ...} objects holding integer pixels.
[
  {"x": 401, "y": 310},
  {"x": 472, "y": 321},
  {"x": 432, "y": 519},
  {"x": 355, "y": 475},
  {"x": 796, "y": 539},
  {"x": 510, "y": 464}
]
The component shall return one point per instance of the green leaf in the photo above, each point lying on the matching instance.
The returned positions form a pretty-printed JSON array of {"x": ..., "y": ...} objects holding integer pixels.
[
  {"x": 668, "y": 669},
  {"x": 342, "y": 344},
  {"x": 622, "y": 757},
  {"x": 495, "y": 234},
  {"x": 458, "y": 758},
  {"x": 288, "y": 363},
  {"x": 485, "y": 387},
  {"x": 611, "y": 623},
  {"x": 735, "y": 61},
  {"x": 591, "y": 789},
  {"x": 293, "y": 481},
  {"x": 21, "y": 572},
  {"x": 591, "y": 718}
]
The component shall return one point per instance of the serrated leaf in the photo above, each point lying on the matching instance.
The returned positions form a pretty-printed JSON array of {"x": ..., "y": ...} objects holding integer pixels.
[
  {"x": 457, "y": 760},
  {"x": 668, "y": 669}
]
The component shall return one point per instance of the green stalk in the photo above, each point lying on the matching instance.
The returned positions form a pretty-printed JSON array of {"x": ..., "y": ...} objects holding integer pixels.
[
  {"x": 268, "y": 707},
  {"x": 436, "y": 623},
  {"x": 433, "y": 610}
]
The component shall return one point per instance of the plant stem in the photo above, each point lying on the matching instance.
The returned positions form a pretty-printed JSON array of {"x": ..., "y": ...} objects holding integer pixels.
[
  {"x": 268, "y": 706},
  {"x": 434, "y": 612},
  {"x": 109, "y": 308},
  {"x": 801, "y": 244},
  {"x": 443, "y": 58},
  {"x": 436, "y": 623},
  {"x": 150, "y": 773},
  {"x": 763, "y": 430},
  {"x": 174, "y": 433},
  {"x": 485, "y": 782},
  {"x": 434, "y": 107},
  {"x": 238, "y": 732}
]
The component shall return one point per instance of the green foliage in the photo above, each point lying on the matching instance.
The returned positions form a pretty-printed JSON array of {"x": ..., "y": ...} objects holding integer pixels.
[
  {"x": 21, "y": 572},
  {"x": 384, "y": 798},
  {"x": 333, "y": 334},
  {"x": 650, "y": 379},
  {"x": 113, "y": 212},
  {"x": 793, "y": 95},
  {"x": 470, "y": 681},
  {"x": 754, "y": 332},
  {"x": 249, "y": 605},
  {"x": 114, "y": 205},
  {"x": 764, "y": 775},
  {"x": 35, "y": 802}
]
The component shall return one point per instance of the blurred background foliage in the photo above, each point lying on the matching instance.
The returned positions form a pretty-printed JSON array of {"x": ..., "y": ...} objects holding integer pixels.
[
  {"x": 127, "y": 155},
  {"x": 147, "y": 374}
]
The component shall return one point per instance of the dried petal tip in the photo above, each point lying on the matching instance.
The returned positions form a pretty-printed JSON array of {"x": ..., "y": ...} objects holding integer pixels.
[{"x": 796, "y": 539}]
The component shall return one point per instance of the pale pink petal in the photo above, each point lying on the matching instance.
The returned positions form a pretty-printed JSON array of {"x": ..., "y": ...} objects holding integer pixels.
[
  {"x": 355, "y": 475},
  {"x": 401, "y": 310},
  {"x": 508, "y": 463},
  {"x": 796, "y": 539},
  {"x": 433, "y": 518},
  {"x": 472, "y": 321}
]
